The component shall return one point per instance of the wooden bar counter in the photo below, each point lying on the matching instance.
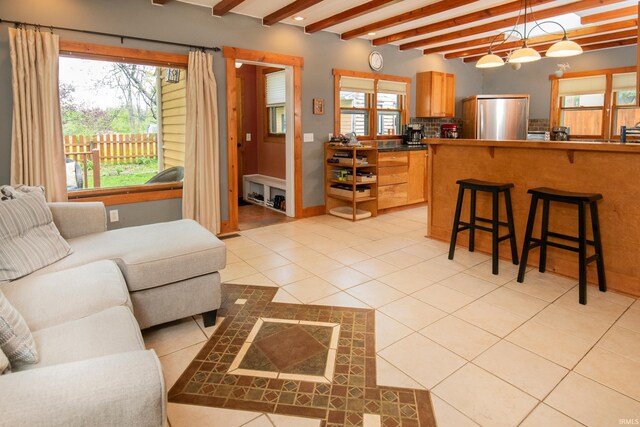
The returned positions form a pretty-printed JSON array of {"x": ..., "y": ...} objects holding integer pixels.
[{"x": 612, "y": 169}]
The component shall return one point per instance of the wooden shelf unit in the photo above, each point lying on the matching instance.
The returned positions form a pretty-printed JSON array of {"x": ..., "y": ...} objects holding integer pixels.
[{"x": 368, "y": 203}]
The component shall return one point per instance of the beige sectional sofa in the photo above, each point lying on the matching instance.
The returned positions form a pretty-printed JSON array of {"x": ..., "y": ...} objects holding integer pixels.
[
  {"x": 171, "y": 268},
  {"x": 93, "y": 368},
  {"x": 85, "y": 312}
]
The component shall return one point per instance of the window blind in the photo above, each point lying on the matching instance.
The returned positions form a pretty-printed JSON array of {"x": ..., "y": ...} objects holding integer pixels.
[
  {"x": 356, "y": 84},
  {"x": 582, "y": 85},
  {"x": 396, "y": 88},
  {"x": 276, "y": 89},
  {"x": 624, "y": 82}
]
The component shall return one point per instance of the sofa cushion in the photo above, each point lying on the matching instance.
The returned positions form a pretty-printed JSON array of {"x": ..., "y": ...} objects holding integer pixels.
[
  {"x": 5, "y": 366},
  {"x": 16, "y": 340},
  {"x": 30, "y": 239},
  {"x": 151, "y": 255},
  {"x": 59, "y": 297},
  {"x": 111, "y": 331}
]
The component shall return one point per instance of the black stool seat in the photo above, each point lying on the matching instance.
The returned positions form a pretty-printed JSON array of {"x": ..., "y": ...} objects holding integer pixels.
[
  {"x": 582, "y": 200},
  {"x": 564, "y": 196},
  {"x": 475, "y": 185}
]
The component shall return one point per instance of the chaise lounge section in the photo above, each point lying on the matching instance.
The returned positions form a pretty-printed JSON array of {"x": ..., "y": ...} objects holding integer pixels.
[{"x": 171, "y": 269}]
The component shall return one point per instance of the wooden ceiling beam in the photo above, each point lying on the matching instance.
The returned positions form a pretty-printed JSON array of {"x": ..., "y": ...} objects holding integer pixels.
[
  {"x": 585, "y": 43},
  {"x": 224, "y": 6},
  {"x": 352, "y": 13},
  {"x": 423, "y": 12},
  {"x": 464, "y": 45},
  {"x": 539, "y": 15},
  {"x": 572, "y": 34},
  {"x": 469, "y": 18},
  {"x": 612, "y": 14},
  {"x": 159, "y": 2},
  {"x": 287, "y": 11}
]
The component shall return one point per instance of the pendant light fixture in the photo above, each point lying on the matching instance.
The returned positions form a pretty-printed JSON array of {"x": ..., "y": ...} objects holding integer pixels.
[{"x": 562, "y": 48}]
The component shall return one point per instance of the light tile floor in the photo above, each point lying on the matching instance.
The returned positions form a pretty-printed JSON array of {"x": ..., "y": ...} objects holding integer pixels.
[{"x": 492, "y": 351}]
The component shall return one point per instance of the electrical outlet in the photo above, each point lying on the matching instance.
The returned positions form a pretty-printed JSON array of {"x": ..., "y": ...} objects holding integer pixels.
[
  {"x": 113, "y": 215},
  {"x": 247, "y": 137}
]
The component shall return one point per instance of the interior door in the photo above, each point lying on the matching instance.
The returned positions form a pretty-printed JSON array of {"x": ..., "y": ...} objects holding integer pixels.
[{"x": 241, "y": 135}]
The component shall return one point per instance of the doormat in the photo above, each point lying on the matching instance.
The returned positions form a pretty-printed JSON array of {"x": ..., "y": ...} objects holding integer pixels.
[{"x": 301, "y": 360}]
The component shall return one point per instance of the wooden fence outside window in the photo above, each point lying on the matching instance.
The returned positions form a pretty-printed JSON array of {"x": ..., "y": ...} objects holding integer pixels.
[{"x": 109, "y": 149}]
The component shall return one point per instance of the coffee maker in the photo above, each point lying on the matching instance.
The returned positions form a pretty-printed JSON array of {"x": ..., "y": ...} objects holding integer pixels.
[
  {"x": 560, "y": 133},
  {"x": 413, "y": 134}
]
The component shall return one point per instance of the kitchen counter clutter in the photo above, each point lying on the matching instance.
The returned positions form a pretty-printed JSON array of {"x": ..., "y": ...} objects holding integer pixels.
[{"x": 587, "y": 167}]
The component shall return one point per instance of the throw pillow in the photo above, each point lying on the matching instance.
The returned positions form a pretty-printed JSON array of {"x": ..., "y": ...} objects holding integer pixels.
[
  {"x": 8, "y": 192},
  {"x": 5, "y": 366},
  {"x": 16, "y": 340},
  {"x": 29, "y": 240}
]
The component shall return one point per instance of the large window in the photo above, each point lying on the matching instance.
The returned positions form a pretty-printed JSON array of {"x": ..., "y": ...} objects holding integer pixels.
[
  {"x": 372, "y": 108},
  {"x": 596, "y": 105},
  {"x": 123, "y": 123}
]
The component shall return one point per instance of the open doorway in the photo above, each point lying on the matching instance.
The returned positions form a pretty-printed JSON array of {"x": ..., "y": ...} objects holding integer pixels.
[
  {"x": 261, "y": 97},
  {"x": 264, "y": 138}
]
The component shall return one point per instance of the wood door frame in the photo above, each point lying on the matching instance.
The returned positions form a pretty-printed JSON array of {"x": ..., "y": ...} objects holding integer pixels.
[
  {"x": 240, "y": 125},
  {"x": 232, "y": 54}
]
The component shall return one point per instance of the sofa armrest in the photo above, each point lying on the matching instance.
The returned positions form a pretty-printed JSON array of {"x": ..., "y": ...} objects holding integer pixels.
[
  {"x": 75, "y": 219},
  {"x": 125, "y": 389}
]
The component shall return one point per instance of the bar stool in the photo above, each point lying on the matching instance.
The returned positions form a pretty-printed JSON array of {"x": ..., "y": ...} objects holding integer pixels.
[
  {"x": 548, "y": 195},
  {"x": 495, "y": 189}
]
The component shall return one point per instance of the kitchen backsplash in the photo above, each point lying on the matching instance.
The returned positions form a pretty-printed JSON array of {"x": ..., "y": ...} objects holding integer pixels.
[
  {"x": 539, "y": 125},
  {"x": 432, "y": 125}
]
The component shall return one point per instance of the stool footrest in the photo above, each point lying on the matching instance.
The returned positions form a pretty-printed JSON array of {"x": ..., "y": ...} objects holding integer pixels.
[
  {"x": 569, "y": 238},
  {"x": 505, "y": 237},
  {"x": 554, "y": 244},
  {"x": 487, "y": 220},
  {"x": 467, "y": 226}
]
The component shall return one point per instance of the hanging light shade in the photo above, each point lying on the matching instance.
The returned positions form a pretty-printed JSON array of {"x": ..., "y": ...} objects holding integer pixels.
[
  {"x": 490, "y": 60},
  {"x": 524, "y": 54},
  {"x": 564, "y": 47}
]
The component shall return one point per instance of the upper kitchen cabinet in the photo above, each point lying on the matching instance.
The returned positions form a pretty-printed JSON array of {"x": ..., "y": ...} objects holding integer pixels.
[{"x": 435, "y": 94}]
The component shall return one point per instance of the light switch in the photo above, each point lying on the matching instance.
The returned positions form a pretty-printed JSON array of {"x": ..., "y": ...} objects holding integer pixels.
[
  {"x": 247, "y": 137},
  {"x": 308, "y": 137}
]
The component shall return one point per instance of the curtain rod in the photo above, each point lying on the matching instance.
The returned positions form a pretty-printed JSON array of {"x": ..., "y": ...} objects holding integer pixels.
[{"x": 98, "y": 33}]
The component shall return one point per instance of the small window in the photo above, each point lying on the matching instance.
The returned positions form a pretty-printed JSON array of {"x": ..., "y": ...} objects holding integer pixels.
[
  {"x": 276, "y": 99},
  {"x": 371, "y": 107}
]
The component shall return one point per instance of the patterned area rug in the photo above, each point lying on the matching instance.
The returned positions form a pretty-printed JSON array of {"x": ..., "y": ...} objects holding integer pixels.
[{"x": 302, "y": 360}]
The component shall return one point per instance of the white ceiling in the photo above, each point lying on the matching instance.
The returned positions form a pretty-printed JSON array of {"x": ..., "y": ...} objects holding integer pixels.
[{"x": 327, "y": 8}]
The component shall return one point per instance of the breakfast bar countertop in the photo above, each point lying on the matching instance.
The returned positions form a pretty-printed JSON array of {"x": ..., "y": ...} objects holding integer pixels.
[
  {"x": 608, "y": 168},
  {"x": 614, "y": 146}
]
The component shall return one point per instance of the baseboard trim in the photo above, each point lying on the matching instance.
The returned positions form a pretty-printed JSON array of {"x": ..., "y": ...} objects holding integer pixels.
[{"x": 313, "y": 211}]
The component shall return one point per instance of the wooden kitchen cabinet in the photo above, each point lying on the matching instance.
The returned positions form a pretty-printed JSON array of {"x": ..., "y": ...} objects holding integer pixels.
[
  {"x": 417, "y": 191},
  {"x": 401, "y": 178},
  {"x": 435, "y": 94}
]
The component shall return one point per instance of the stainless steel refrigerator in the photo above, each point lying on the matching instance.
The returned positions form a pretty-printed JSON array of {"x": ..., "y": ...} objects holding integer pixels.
[{"x": 495, "y": 117}]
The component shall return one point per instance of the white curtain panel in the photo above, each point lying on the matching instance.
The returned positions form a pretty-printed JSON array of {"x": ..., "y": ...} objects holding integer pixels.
[
  {"x": 201, "y": 185},
  {"x": 37, "y": 146}
]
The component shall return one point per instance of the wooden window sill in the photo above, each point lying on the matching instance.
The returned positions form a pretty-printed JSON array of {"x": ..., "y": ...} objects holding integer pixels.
[{"x": 131, "y": 194}]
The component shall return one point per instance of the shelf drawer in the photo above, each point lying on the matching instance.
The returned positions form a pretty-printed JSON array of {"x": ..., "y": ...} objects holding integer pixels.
[
  {"x": 393, "y": 175},
  {"x": 394, "y": 158},
  {"x": 390, "y": 196}
]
